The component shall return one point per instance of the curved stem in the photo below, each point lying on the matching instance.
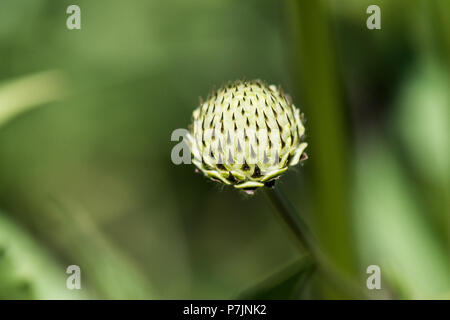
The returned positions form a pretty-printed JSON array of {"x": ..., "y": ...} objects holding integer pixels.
[
  {"x": 306, "y": 240},
  {"x": 292, "y": 220}
]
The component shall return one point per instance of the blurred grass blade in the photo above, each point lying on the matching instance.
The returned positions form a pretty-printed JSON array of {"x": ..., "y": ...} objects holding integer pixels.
[
  {"x": 17, "y": 96},
  {"x": 285, "y": 284},
  {"x": 421, "y": 121},
  {"x": 315, "y": 68},
  {"x": 392, "y": 230},
  {"x": 12, "y": 286},
  {"x": 27, "y": 271},
  {"x": 113, "y": 273}
]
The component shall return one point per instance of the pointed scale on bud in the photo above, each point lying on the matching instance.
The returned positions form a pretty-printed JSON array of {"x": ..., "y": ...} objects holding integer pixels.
[{"x": 246, "y": 134}]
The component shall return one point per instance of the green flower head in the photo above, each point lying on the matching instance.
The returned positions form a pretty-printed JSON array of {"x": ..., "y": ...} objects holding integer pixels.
[{"x": 246, "y": 134}]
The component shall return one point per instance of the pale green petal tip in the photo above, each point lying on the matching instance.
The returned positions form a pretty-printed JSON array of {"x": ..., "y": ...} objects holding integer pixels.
[
  {"x": 273, "y": 174},
  {"x": 249, "y": 185},
  {"x": 215, "y": 174},
  {"x": 298, "y": 154}
]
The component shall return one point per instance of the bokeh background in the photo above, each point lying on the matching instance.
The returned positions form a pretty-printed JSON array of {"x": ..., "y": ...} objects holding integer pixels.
[{"x": 86, "y": 176}]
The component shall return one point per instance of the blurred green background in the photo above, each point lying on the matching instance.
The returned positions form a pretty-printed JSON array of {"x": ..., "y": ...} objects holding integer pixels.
[{"x": 85, "y": 122}]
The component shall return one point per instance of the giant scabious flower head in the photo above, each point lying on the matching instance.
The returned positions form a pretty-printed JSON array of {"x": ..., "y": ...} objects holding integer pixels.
[{"x": 246, "y": 134}]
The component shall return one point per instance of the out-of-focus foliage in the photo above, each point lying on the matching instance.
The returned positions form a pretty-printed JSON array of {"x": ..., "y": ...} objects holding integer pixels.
[
  {"x": 289, "y": 283},
  {"x": 85, "y": 171},
  {"x": 391, "y": 230},
  {"x": 27, "y": 271}
]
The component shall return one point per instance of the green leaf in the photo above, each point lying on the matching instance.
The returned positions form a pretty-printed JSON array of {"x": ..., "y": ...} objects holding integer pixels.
[
  {"x": 20, "y": 95},
  {"x": 27, "y": 269},
  {"x": 12, "y": 286},
  {"x": 285, "y": 284},
  {"x": 392, "y": 230}
]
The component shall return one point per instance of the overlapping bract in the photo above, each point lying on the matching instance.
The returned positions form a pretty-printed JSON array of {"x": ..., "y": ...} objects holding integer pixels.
[{"x": 246, "y": 134}]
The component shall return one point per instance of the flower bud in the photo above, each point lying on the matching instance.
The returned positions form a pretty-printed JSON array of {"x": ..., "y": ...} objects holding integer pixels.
[{"x": 246, "y": 134}]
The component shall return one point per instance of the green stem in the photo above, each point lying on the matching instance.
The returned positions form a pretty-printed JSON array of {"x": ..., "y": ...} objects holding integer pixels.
[
  {"x": 305, "y": 239},
  {"x": 292, "y": 220}
]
